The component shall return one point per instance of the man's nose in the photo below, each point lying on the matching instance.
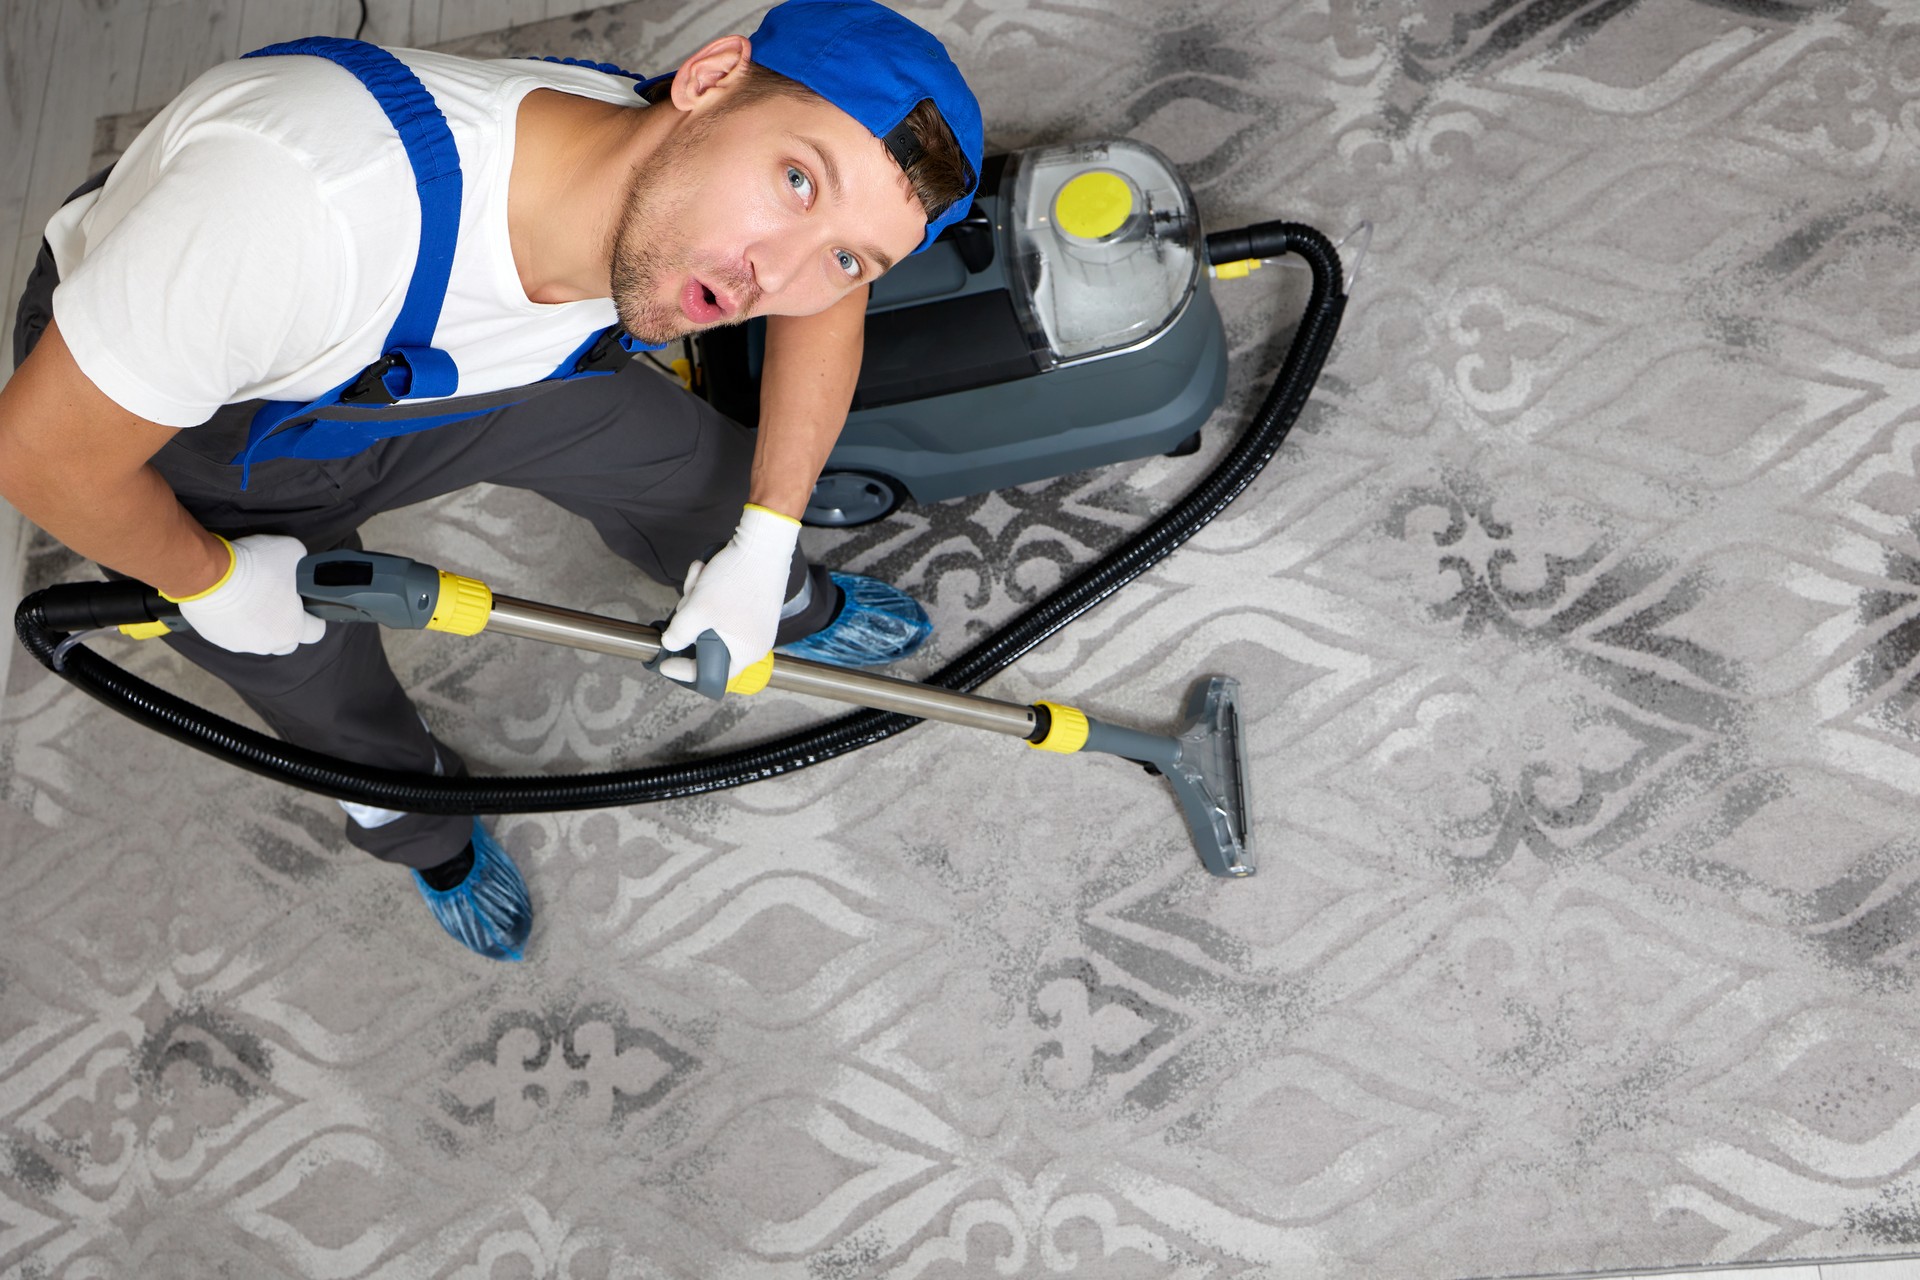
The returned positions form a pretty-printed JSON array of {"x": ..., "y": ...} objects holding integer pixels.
[{"x": 777, "y": 262}]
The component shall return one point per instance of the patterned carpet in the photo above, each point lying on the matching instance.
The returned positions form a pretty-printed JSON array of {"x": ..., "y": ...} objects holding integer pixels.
[{"x": 1579, "y": 630}]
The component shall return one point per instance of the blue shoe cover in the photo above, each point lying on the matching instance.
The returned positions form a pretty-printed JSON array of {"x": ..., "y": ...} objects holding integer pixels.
[
  {"x": 488, "y": 912},
  {"x": 877, "y": 624}
]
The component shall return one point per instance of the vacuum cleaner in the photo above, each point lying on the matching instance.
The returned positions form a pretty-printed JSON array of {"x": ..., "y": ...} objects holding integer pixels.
[{"x": 1091, "y": 258}]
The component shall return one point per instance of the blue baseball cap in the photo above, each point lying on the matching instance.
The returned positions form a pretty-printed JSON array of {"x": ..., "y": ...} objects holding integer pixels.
[{"x": 876, "y": 66}]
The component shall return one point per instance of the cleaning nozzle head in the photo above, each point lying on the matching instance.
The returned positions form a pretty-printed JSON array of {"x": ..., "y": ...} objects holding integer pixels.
[{"x": 1211, "y": 778}]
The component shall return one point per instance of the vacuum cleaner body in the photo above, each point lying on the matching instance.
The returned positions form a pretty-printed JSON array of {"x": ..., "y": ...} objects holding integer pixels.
[{"x": 1064, "y": 324}]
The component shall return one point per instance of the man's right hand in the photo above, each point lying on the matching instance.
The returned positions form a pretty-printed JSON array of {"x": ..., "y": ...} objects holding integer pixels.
[{"x": 255, "y": 607}]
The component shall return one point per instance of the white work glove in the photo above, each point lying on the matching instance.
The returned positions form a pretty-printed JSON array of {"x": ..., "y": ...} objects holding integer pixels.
[
  {"x": 256, "y": 607},
  {"x": 738, "y": 594}
]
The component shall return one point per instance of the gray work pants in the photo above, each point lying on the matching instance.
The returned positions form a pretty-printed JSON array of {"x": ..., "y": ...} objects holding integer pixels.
[{"x": 658, "y": 473}]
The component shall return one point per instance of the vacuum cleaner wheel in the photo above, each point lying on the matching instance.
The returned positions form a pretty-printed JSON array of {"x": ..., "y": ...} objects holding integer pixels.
[{"x": 842, "y": 499}]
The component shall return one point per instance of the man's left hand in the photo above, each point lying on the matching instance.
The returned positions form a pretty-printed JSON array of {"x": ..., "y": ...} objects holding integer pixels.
[{"x": 738, "y": 594}]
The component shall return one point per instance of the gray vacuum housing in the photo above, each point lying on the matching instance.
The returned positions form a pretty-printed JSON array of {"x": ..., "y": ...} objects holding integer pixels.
[{"x": 1064, "y": 324}]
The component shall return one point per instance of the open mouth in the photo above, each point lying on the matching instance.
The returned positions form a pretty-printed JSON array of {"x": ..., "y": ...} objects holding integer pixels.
[{"x": 701, "y": 304}]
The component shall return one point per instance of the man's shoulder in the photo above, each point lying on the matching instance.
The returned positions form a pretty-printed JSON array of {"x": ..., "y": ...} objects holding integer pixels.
[
  {"x": 304, "y": 104},
  {"x": 312, "y": 103}
]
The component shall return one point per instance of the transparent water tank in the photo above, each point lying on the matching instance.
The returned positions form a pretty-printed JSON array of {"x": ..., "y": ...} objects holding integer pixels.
[{"x": 1105, "y": 247}]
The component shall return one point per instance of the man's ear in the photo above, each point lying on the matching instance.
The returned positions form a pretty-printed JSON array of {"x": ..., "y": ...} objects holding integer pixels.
[{"x": 711, "y": 72}]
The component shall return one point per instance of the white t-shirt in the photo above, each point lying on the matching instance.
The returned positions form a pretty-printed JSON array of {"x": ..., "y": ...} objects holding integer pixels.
[{"x": 257, "y": 239}]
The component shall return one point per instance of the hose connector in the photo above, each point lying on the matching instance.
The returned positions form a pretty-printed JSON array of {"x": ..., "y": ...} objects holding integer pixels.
[
  {"x": 463, "y": 606},
  {"x": 1260, "y": 241}
]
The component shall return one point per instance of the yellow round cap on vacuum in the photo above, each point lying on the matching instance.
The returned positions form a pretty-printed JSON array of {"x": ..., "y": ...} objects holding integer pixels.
[{"x": 1093, "y": 205}]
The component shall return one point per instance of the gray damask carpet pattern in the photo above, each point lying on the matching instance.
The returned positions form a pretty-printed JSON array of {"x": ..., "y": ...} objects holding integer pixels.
[{"x": 1579, "y": 629}]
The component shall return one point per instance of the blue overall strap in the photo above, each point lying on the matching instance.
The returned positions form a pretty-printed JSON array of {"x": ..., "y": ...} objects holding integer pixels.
[
  {"x": 372, "y": 405},
  {"x": 411, "y": 365},
  {"x": 435, "y": 159},
  {"x": 642, "y": 83}
]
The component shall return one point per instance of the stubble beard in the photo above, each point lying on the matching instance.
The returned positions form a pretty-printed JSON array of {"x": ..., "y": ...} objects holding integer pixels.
[
  {"x": 649, "y": 249},
  {"x": 643, "y": 257}
]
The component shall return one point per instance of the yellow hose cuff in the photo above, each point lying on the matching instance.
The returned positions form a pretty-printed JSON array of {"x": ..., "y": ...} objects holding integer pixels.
[
  {"x": 1235, "y": 270},
  {"x": 232, "y": 560},
  {"x": 464, "y": 605},
  {"x": 1066, "y": 728},
  {"x": 144, "y": 630},
  {"x": 754, "y": 678}
]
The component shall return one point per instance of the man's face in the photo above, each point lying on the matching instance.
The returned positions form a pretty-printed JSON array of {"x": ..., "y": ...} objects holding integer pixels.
[{"x": 780, "y": 207}]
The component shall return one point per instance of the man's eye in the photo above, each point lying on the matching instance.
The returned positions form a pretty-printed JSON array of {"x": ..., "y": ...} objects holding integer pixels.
[
  {"x": 800, "y": 182},
  {"x": 848, "y": 263}
]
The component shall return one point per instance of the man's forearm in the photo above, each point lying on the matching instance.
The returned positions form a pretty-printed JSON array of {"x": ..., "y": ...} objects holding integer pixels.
[
  {"x": 806, "y": 386},
  {"x": 133, "y": 525},
  {"x": 75, "y": 463}
]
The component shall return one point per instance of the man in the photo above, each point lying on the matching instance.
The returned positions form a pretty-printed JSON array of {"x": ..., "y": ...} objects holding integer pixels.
[{"x": 333, "y": 280}]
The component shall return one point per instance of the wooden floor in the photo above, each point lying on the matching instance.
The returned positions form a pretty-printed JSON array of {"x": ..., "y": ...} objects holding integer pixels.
[{"x": 66, "y": 63}]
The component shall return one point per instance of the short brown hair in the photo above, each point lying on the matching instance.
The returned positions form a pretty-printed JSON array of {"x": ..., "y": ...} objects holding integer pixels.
[{"x": 939, "y": 175}]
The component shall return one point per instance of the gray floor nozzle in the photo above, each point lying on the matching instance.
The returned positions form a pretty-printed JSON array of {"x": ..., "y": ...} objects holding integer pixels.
[
  {"x": 1210, "y": 777},
  {"x": 1207, "y": 765}
]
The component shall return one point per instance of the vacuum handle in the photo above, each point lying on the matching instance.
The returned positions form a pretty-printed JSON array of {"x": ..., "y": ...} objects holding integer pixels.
[
  {"x": 369, "y": 586},
  {"x": 340, "y": 586},
  {"x": 711, "y": 662}
]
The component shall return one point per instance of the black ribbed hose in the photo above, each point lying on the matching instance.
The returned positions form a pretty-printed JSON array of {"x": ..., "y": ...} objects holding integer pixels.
[{"x": 42, "y": 622}]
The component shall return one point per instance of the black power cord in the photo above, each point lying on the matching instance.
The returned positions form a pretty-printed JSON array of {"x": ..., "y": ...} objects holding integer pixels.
[{"x": 428, "y": 793}]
